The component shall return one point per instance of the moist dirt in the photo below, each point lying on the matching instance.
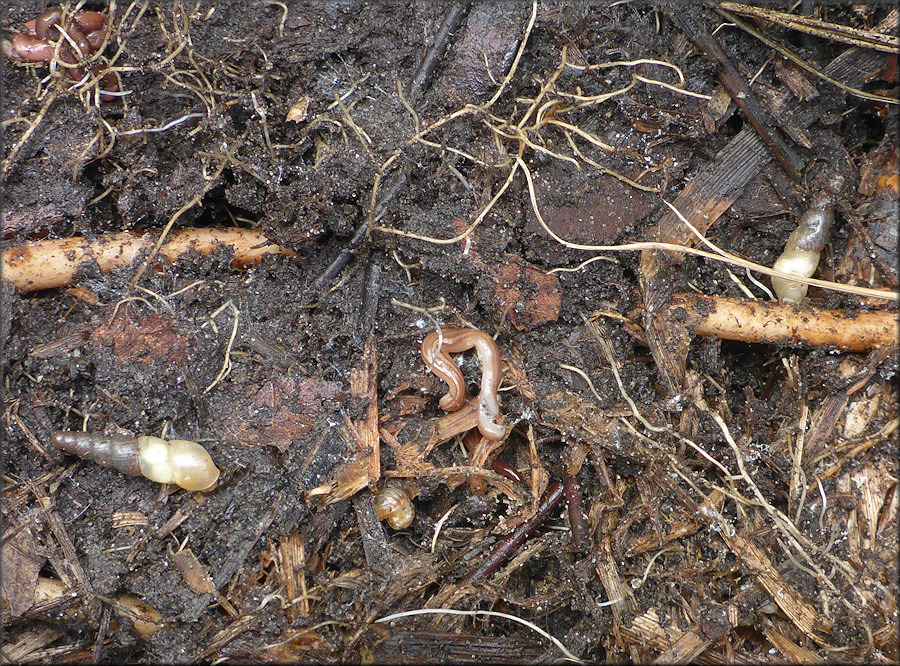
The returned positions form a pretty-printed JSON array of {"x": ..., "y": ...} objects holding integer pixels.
[{"x": 257, "y": 363}]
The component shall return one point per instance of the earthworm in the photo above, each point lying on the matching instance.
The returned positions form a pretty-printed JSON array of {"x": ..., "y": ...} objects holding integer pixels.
[
  {"x": 177, "y": 461},
  {"x": 46, "y": 27},
  {"x": 805, "y": 244},
  {"x": 90, "y": 22},
  {"x": 453, "y": 341},
  {"x": 37, "y": 43},
  {"x": 29, "y": 48},
  {"x": 575, "y": 505}
]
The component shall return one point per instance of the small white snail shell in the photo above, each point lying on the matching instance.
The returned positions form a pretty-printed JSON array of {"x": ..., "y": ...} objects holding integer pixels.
[
  {"x": 177, "y": 461},
  {"x": 794, "y": 262},
  {"x": 393, "y": 506},
  {"x": 802, "y": 250}
]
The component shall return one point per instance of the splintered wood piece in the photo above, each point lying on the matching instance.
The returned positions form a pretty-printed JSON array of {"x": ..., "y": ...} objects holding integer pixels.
[
  {"x": 616, "y": 589},
  {"x": 293, "y": 566},
  {"x": 794, "y": 653},
  {"x": 29, "y": 642},
  {"x": 349, "y": 480},
  {"x": 453, "y": 424},
  {"x": 194, "y": 573},
  {"x": 410, "y": 457},
  {"x": 788, "y": 599},
  {"x": 685, "y": 650},
  {"x": 364, "y": 386},
  {"x": 21, "y": 566},
  {"x": 651, "y": 631},
  {"x": 129, "y": 519}
]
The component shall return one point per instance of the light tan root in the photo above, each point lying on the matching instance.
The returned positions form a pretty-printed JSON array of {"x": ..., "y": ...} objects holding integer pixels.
[
  {"x": 756, "y": 321},
  {"x": 55, "y": 263}
]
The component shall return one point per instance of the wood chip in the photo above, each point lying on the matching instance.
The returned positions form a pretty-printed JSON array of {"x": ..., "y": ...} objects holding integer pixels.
[
  {"x": 293, "y": 563},
  {"x": 789, "y": 600},
  {"x": 297, "y": 113},
  {"x": 193, "y": 572},
  {"x": 21, "y": 566},
  {"x": 364, "y": 387},
  {"x": 129, "y": 519}
]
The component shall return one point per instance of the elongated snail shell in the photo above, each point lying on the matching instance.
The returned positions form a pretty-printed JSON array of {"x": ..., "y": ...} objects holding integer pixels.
[
  {"x": 802, "y": 250},
  {"x": 393, "y": 506},
  {"x": 178, "y": 461}
]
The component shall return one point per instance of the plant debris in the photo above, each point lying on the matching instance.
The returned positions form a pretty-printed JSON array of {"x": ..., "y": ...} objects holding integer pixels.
[{"x": 237, "y": 224}]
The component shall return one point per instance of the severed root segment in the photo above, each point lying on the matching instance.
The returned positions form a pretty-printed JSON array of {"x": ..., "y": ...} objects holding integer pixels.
[
  {"x": 55, "y": 263},
  {"x": 436, "y": 349},
  {"x": 755, "y": 321}
]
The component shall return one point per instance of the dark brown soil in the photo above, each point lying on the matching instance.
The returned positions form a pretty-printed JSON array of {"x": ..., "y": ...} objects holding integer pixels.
[{"x": 681, "y": 545}]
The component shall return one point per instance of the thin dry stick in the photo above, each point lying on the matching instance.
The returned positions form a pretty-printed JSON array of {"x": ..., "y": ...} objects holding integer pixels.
[
  {"x": 797, "y": 60},
  {"x": 449, "y": 611},
  {"x": 841, "y": 33}
]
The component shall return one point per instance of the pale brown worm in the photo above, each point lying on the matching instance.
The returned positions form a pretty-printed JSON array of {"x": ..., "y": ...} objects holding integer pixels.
[
  {"x": 454, "y": 341},
  {"x": 29, "y": 48},
  {"x": 177, "y": 461},
  {"x": 46, "y": 27},
  {"x": 394, "y": 506}
]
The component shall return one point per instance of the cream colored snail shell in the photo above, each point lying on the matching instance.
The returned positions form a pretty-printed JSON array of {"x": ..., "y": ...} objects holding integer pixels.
[
  {"x": 178, "y": 461},
  {"x": 803, "y": 249},
  {"x": 794, "y": 262},
  {"x": 393, "y": 506}
]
